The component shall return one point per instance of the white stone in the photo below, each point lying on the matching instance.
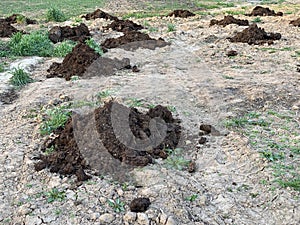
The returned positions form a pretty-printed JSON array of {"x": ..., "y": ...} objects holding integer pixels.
[
  {"x": 106, "y": 218},
  {"x": 142, "y": 219},
  {"x": 130, "y": 217}
]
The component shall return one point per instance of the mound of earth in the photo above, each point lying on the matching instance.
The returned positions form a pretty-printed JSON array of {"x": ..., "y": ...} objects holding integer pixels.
[
  {"x": 7, "y": 30},
  {"x": 99, "y": 14},
  {"x": 15, "y": 17},
  {"x": 261, "y": 11},
  {"x": 75, "y": 63},
  {"x": 296, "y": 22},
  {"x": 136, "y": 138},
  {"x": 124, "y": 26},
  {"x": 229, "y": 20},
  {"x": 66, "y": 159},
  {"x": 181, "y": 13},
  {"x": 79, "y": 33},
  {"x": 255, "y": 35},
  {"x": 133, "y": 40},
  {"x": 126, "y": 135}
]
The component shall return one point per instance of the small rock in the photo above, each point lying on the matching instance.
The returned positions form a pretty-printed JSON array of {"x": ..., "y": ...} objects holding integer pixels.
[
  {"x": 32, "y": 220},
  {"x": 231, "y": 53},
  {"x": 24, "y": 209},
  {"x": 139, "y": 204},
  {"x": 171, "y": 221},
  {"x": 294, "y": 107},
  {"x": 206, "y": 128},
  {"x": 202, "y": 140},
  {"x": 71, "y": 195},
  {"x": 95, "y": 216},
  {"x": 106, "y": 218},
  {"x": 192, "y": 167},
  {"x": 130, "y": 217},
  {"x": 142, "y": 219}
]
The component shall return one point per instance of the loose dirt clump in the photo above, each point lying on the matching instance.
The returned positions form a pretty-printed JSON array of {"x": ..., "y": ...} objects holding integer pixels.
[
  {"x": 181, "y": 13},
  {"x": 7, "y": 30},
  {"x": 79, "y": 33},
  {"x": 75, "y": 63},
  {"x": 229, "y": 20},
  {"x": 124, "y": 26},
  {"x": 255, "y": 35},
  {"x": 296, "y": 22},
  {"x": 99, "y": 14},
  {"x": 261, "y": 11},
  {"x": 17, "y": 18},
  {"x": 139, "y": 204},
  {"x": 136, "y": 138},
  {"x": 66, "y": 158},
  {"x": 133, "y": 40}
]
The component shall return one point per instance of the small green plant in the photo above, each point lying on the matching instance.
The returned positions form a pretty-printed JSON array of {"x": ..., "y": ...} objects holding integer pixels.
[
  {"x": 192, "y": 197},
  {"x": 2, "y": 67},
  {"x": 228, "y": 77},
  {"x": 295, "y": 184},
  {"x": 64, "y": 48},
  {"x": 55, "y": 119},
  {"x": 257, "y": 20},
  {"x": 36, "y": 43},
  {"x": 175, "y": 159},
  {"x": 21, "y": 19},
  {"x": 54, "y": 14},
  {"x": 20, "y": 78},
  {"x": 117, "y": 205},
  {"x": 152, "y": 29},
  {"x": 94, "y": 45},
  {"x": 171, "y": 108},
  {"x": 74, "y": 78},
  {"x": 171, "y": 27},
  {"x": 50, "y": 150},
  {"x": 55, "y": 195},
  {"x": 103, "y": 94},
  {"x": 134, "y": 102},
  {"x": 272, "y": 156}
]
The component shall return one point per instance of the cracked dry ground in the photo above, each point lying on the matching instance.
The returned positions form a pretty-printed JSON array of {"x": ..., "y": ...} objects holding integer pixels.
[{"x": 192, "y": 75}]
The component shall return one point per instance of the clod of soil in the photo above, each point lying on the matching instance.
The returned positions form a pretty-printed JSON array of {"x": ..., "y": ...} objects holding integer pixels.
[
  {"x": 229, "y": 20},
  {"x": 139, "y": 204},
  {"x": 261, "y": 11},
  {"x": 99, "y": 14},
  {"x": 133, "y": 40},
  {"x": 296, "y": 22},
  {"x": 136, "y": 138},
  {"x": 124, "y": 26},
  {"x": 231, "y": 53},
  {"x": 7, "y": 30},
  {"x": 66, "y": 159},
  {"x": 14, "y": 19},
  {"x": 75, "y": 63},
  {"x": 8, "y": 96},
  {"x": 181, "y": 13},
  {"x": 79, "y": 33},
  {"x": 255, "y": 35},
  {"x": 106, "y": 67}
]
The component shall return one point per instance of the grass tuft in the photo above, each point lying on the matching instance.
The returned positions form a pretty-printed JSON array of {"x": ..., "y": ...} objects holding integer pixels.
[
  {"x": 20, "y": 78},
  {"x": 54, "y": 14}
]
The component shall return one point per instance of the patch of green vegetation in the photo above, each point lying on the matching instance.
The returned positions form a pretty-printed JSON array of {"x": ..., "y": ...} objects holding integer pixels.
[
  {"x": 63, "y": 48},
  {"x": 50, "y": 150},
  {"x": 140, "y": 15},
  {"x": 54, "y": 14},
  {"x": 21, "y": 19},
  {"x": 20, "y": 78},
  {"x": 2, "y": 67},
  {"x": 192, "y": 197},
  {"x": 103, "y": 94},
  {"x": 234, "y": 12},
  {"x": 274, "y": 135},
  {"x": 55, "y": 195},
  {"x": 117, "y": 205},
  {"x": 171, "y": 27},
  {"x": 171, "y": 108},
  {"x": 228, "y": 77},
  {"x": 94, "y": 45},
  {"x": 36, "y": 43},
  {"x": 272, "y": 1},
  {"x": 134, "y": 102},
  {"x": 175, "y": 159},
  {"x": 55, "y": 118},
  {"x": 257, "y": 20}
]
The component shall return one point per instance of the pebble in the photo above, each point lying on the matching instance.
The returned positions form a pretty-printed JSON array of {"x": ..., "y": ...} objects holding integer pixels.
[
  {"x": 130, "y": 217},
  {"x": 106, "y": 218},
  {"x": 142, "y": 219}
]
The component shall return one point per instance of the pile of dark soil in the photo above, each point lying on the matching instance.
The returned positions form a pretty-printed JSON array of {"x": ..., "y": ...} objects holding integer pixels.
[
  {"x": 139, "y": 204},
  {"x": 255, "y": 35},
  {"x": 229, "y": 20},
  {"x": 261, "y": 11},
  {"x": 136, "y": 138},
  {"x": 99, "y": 14},
  {"x": 133, "y": 40},
  {"x": 124, "y": 26},
  {"x": 14, "y": 19},
  {"x": 79, "y": 33},
  {"x": 7, "y": 30},
  {"x": 296, "y": 22},
  {"x": 75, "y": 63},
  {"x": 181, "y": 13},
  {"x": 66, "y": 159},
  {"x": 99, "y": 140}
]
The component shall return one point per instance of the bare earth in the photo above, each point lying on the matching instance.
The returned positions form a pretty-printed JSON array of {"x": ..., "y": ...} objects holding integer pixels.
[{"x": 195, "y": 75}]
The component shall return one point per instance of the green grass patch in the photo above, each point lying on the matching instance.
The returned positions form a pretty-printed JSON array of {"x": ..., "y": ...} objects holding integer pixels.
[
  {"x": 55, "y": 195},
  {"x": 54, "y": 14},
  {"x": 257, "y": 20},
  {"x": 94, "y": 45},
  {"x": 171, "y": 27},
  {"x": 275, "y": 135},
  {"x": 176, "y": 160},
  {"x": 20, "y": 78},
  {"x": 63, "y": 48},
  {"x": 54, "y": 119},
  {"x": 140, "y": 15}
]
